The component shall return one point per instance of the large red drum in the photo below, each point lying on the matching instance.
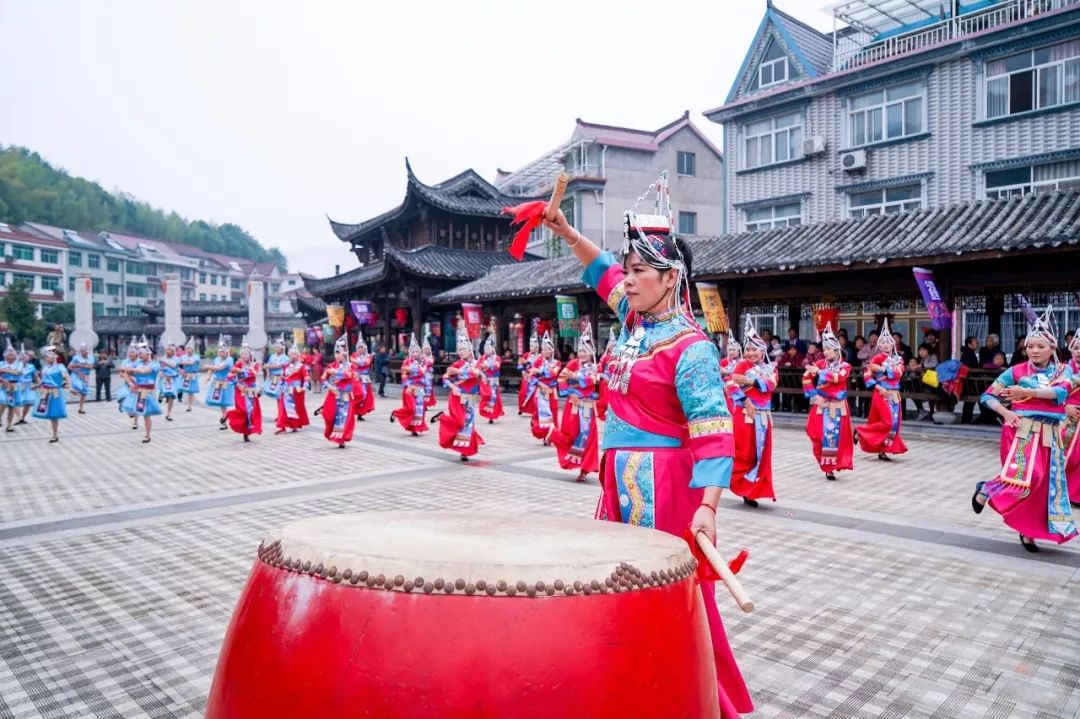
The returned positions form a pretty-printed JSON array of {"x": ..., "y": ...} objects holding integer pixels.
[{"x": 406, "y": 614}]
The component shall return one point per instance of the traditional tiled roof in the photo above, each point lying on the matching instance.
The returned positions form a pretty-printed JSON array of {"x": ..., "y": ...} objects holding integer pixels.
[
  {"x": 38, "y": 239},
  {"x": 816, "y": 47},
  {"x": 430, "y": 262},
  {"x": 275, "y": 324},
  {"x": 308, "y": 306},
  {"x": 464, "y": 194},
  {"x": 994, "y": 227},
  {"x": 200, "y": 308},
  {"x": 119, "y": 325}
]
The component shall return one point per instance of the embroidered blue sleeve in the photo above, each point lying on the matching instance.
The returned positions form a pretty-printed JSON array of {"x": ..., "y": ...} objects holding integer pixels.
[
  {"x": 701, "y": 393},
  {"x": 605, "y": 275},
  {"x": 596, "y": 269},
  {"x": 1005, "y": 379}
]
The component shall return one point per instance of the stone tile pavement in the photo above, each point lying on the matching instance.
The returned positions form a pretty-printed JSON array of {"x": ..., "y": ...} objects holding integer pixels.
[{"x": 880, "y": 595}]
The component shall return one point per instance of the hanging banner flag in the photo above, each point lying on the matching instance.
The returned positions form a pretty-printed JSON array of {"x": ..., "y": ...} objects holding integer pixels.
[
  {"x": 298, "y": 336},
  {"x": 362, "y": 310},
  {"x": 826, "y": 315},
  {"x": 940, "y": 317},
  {"x": 1029, "y": 312},
  {"x": 336, "y": 315},
  {"x": 712, "y": 306},
  {"x": 474, "y": 319},
  {"x": 567, "y": 313}
]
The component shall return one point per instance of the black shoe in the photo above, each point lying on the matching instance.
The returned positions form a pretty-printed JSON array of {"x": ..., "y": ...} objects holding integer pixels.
[
  {"x": 884, "y": 457},
  {"x": 188, "y": 409},
  {"x": 146, "y": 440},
  {"x": 10, "y": 429},
  {"x": 168, "y": 419},
  {"x": 82, "y": 411},
  {"x": 246, "y": 438},
  {"x": 222, "y": 420},
  {"x": 222, "y": 427},
  {"x": 976, "y": 505},
  {"x": 491, "y": 421},
  {"x": 414, "y": 434},
  {"x": 1029, "y": 545},
  {"x": 318, "y": 411},
  {"x": 830, "y": 476},
  {"x": 391, "y": 418},
  {"x": 341, "y": 445},
  {"x": 464, "y": 458},
  {"x": 750, "y": 502},
  {"x": 361, "y": 418},
  {"x": 21, "y": 421},
  {"x": 54, "y": 439}
]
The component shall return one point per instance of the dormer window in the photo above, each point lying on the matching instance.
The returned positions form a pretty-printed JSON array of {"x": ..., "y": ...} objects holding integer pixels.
[{"x": 774, "y": 66}]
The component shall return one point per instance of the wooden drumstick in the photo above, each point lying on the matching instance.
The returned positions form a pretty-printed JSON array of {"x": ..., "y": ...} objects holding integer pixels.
[
  {"x": 552, "y": 210},
  {"x": 730, "y": 580}
]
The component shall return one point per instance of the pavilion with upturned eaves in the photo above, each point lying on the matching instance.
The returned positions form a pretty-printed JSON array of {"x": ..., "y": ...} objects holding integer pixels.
[{"x": 438, "y": 237}]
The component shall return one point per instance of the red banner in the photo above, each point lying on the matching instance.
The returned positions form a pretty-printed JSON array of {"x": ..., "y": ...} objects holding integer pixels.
[
  {"x": 474, "y": 319},
  {"x": 824, "y": 316}
]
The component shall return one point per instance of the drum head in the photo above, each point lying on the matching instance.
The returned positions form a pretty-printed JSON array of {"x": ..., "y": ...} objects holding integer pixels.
[{"x": 471, "y": 553}]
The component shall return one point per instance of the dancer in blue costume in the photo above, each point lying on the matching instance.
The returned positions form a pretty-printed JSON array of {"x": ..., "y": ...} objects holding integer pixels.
[
  {"x": 11, "y": 371},
  {"x": 141, "y": 401},
  {"x": 54, "y": 382},
  {"x": 126, "y": 366},
  {"x": 28, "y": 396},
  {"x": 169, "y": 379},
  {"x": 80, "y": 366},
  {"x": 189, "y": 372},
  {"x": 221, "y": 387},
  {"x": 275, "y": 367}
]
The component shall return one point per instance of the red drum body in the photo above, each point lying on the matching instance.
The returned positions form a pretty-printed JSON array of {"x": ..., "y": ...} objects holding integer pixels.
[{"x": 539, "y": 623}]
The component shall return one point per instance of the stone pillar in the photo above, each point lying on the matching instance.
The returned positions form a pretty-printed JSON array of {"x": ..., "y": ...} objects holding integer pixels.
[
  {"x": 174, "y": 333},
  {"x": 256, "y": 298},
  {"x": 84, "y": 314}
]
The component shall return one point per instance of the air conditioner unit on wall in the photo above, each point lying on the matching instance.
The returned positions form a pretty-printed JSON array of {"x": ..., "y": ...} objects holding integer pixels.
[
  {"x": 813, "y": 145},
  {"x": 854, "y": 161}
]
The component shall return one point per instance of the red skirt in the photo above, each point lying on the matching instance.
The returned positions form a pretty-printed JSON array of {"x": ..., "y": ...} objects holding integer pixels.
[
  {"x": 491, "y": 405},
  {"x": 602, "y": 403},
  {"x": 457, "y": 428},
  {"x": 746, "y": 457},
  {"x": 881, "y": 433},
  {"x": 294, "y": 416},
  {"x": 363, "y": 399},
  {"x": 526, "y": 406},
  {"x": 841, "y": 447},
  {"x": 541, "y": 429},
  {"x": 240, "y": 419},
  {"x": 339, "y": 418},
  {"x": 409, "y": 416},
  {"x": 575, "y": 450},
  {"x": 656, "y": 483}
]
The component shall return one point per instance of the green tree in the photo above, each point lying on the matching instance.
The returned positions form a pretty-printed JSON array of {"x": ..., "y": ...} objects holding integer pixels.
[
  {"x": 61, "y": 313},
  {"x": 17, "y": 310}
]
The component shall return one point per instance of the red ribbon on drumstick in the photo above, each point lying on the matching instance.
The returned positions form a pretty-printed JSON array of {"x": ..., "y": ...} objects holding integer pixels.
[
  {"x": 530, "y": 214},
  {"x": 712, "y": 567}
]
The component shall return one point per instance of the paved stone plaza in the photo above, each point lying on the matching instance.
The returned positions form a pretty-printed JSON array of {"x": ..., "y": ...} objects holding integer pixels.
[{"x": 880, "y": 595}]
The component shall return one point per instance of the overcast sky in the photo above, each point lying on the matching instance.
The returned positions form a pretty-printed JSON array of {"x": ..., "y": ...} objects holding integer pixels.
[{"x": 274, "y": 115}]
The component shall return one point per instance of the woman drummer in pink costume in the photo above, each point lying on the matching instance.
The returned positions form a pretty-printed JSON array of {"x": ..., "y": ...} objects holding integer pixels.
[
  {"x": 667, "y": 446},
  {"x": 1031, "y": 492}
]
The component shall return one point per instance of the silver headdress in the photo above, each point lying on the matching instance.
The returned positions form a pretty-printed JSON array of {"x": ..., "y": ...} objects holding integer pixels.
[
  {"x": 245, "y": 347},
  {"x": 585, "y": 343},
  {"x": 22, "y": 350},
  {"x": 1044, "y": 327},
  {"x": 426, "y": 347},
  {"x": 1075, "y": 343},
  {"x": 133, "y": 345},
  {"x": 463, "y": 339},
  {"x": 829, "y": 340},
  {"x": 752, "y": 338},
  {"x": 650, "y": 236},
  {"x": 534, "y": 341},
  {"x": 224, "y": 342},
  {"x": 361, "y": 344},
  {"x": 190, "y": 346},
  {"x": 144, "y": 345},
  {"x": 8, "y": 347},
  {"x": 342, "y": 344},
  {"x": 885, "y": 338},
  {"x": 49, "y": 351},
  {"x": 546, "y": 343},
  {"x": 732, "y": 343},
  {"x": 489, "y": 343},
  {"x": 612, "y": 340},
  {"x": 414, "y": 346}
]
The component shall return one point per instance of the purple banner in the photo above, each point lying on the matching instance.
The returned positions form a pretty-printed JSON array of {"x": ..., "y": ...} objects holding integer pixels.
[
  {"x": 1029, "y": 312},
  {"x": 940, "y": 317},
  {"x": 362, "y": 310}
]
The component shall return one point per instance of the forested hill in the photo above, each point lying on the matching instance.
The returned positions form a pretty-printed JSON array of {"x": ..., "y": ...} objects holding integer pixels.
[{"x": 32, "y": 190}]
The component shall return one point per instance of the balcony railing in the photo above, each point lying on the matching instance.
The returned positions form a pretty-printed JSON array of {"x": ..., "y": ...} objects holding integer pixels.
[{"x": 858, "y": 48}]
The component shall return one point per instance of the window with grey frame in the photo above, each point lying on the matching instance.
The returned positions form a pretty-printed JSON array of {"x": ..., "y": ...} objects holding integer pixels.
[
  {"x": 773, "y": 68},
  {"x": 887, "y": 114},
  {"x": 1033, "y": 80},
  {"x": 885, "y": 201},
  {"x": 686, "y": 163},
  {"x": 1047, "y": 177},
  {"x": 687, "y": 223},
  {"x": 788, "y": 214},
  {"x": 772, "y": 140}
]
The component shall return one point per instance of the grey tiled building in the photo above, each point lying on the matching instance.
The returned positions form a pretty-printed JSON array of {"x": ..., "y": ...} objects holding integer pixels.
[{"x": 905, "y": 105}]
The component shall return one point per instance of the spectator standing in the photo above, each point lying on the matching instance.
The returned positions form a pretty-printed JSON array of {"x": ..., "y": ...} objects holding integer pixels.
[
  {"x": 6, "y": 336},
  {"x": 969, "y": 357},
  {"x": 813, "y": 354},
  {"x": 792, "y": 361},
  {"x": 382, "y": 367},
  {"x": 1019, "y": 356},
  {"x": 913, "y": 383},
  {"x": 103, "y": 369},
  {"x": 793, "y": 339},
  {"x": 316, "y": 370},
  {"x": 904, "y": 350},
  {"x": 58, "y": 339},
  {"x": 847, "y": 351},
  {"x": 986, "y": 353}
]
